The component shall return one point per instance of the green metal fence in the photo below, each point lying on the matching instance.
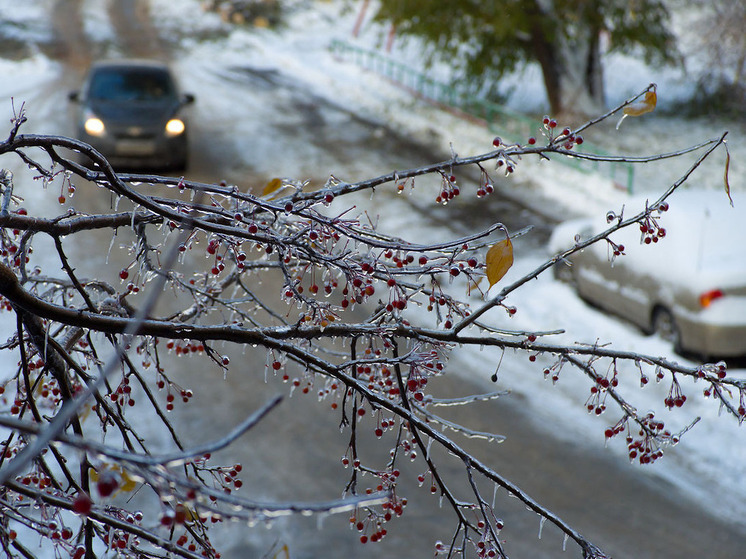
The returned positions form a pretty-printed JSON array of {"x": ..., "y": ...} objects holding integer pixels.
[{"x": 509, "y": 125}]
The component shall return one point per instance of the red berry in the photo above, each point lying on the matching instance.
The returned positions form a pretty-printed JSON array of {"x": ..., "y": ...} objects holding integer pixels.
[
  {"x": 124, "y": 274},
  {"x": 107, "y": 483},
  {"x": 82, "y": 504},
  {"x": 531, "y": 141}
]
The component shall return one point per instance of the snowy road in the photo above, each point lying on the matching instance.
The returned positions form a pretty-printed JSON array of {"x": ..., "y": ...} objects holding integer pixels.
[{"x": 263, "y": 111}]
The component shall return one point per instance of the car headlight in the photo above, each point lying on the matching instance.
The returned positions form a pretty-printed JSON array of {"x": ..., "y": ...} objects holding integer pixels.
[
  {"x": 175, "y": 126},
  {"x": 94, "y": 126}
]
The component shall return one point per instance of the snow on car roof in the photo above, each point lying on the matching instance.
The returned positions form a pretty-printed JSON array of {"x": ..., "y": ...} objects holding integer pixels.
[{"x": 705, "y": 239}]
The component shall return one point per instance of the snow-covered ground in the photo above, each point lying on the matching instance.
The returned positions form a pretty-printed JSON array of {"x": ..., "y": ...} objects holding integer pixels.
[{"x": 710, "y": 463}]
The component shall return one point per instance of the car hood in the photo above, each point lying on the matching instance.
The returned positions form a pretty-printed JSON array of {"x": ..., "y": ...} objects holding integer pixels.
[{"x": 134, "y": 112}]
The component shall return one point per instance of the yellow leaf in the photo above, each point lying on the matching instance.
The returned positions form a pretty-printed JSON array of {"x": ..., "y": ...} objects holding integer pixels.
[
  {"x": 647, "y": 105},
  {"x": 641, "y": 107},
  {"x": 128, "y": 484},
  {"x": 499, "y": 260},
  {"x": 272, "y": 186},
  {"x": 727, "y": 184}
]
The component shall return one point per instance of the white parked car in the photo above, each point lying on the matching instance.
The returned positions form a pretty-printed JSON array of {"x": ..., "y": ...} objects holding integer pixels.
[{"x": 682, "y": 275}]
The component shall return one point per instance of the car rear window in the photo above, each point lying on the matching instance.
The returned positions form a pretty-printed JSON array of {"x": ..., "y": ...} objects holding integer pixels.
[{"x": 131, "y": 84}]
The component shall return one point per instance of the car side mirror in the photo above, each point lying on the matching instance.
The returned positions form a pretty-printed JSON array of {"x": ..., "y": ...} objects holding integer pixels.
[
  {"x": 73, "y": 96},
  {"x": 188, "y": 99}
]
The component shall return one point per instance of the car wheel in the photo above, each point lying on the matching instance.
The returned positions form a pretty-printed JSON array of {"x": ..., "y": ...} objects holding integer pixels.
[{"x": 664, "y": 325}]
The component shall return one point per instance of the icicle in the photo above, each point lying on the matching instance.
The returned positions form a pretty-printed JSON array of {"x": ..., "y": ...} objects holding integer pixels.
[
  {"x": 111, "y": 245},
  {"x": 46, "y": 340},
  {"x": 541, "y": 525},
  {"x": 564, "y": 542},
  {"x": 494, "y": 495}
]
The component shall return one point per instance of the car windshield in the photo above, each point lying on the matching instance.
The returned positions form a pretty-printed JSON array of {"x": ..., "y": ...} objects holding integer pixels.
[{"x": 131, "y": 84}]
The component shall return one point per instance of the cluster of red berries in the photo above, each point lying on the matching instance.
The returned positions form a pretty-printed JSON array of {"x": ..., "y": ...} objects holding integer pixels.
[
  {"x": 184, "y": 394},
  {"x": 70, "y": 191},
  {"x": 212, "y": 249},
  {"x": 230, "y": 477},
  {"x": 650, "y": 229},
  {"x": 567, "y": 139},
  {"x": 485, "y": 189},
  {"x": 449, "y": 189},
  {"x": 10, "y": 249},
  {"x": 183, "y": 541},
  {"x": 552, "y": 372},
  {"x": 40, "y": 480},
  {"x": 718, "y": 370},
  {"x": 372, "y": 527},
  {"x": 119, "y": 539},
  {"x": 675, "y": 397},
  {"x": 123, "y": 393},
  {"x": 652, "y": 435},
  {"x": 18, "y": 404},
  {"x": 596, "y": 401},
  {"x": 56, "y": 532},
  {"x": 181, "y": 347}
]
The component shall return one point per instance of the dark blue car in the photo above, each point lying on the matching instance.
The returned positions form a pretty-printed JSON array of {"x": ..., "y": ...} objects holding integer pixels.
[{"x": 132, "y": 112}]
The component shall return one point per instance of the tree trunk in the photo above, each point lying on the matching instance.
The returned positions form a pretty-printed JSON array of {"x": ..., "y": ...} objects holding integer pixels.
[{"x": 570, "y": 64}]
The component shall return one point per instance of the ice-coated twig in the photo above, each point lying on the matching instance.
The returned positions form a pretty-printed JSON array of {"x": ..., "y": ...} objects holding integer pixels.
[{"x": 148, "y": 460}]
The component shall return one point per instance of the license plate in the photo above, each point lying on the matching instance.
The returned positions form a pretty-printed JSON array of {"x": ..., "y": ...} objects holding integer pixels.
[{"x": 135, "y": 147}]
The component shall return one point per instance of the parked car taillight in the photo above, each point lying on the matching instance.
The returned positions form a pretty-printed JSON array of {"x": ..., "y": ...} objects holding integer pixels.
[{"x": 706, "y": 298}]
